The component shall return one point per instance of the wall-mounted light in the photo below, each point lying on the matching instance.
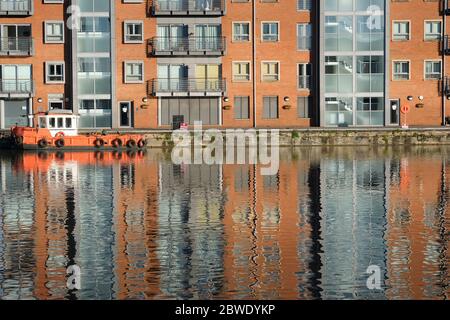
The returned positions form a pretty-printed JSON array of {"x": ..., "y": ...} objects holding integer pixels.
[
  {"x": 145, "y": 99},
  {"x": 39, "y": 100},
  {"x": 421, "y": 98},
  {"x": 448, "y": 97},
  {"x": 226, "y": 99},
  {"x": 409, "y": 98},
  {"x": 286, "y": 99},
  {"x": 394, "y": 107}
]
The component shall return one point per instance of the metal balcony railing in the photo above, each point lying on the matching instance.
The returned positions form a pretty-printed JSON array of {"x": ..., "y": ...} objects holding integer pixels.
[
  {"x": 304, "y": 82},
  {"x": 187, "y": 46},
  {"x": 16, "y": 86},
  {"x": 445, "y": 44},
  {"x": 186, "y": 85},
  {"x": 188, "y": 7},
  {"x": 11, "y": 46},
  {"x": 16, "y": 7},
  {"x": 446, "y": 85}
]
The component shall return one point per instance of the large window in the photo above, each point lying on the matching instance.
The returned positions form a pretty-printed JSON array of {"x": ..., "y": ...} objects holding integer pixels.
[
  {"x": 369, "y": 73},
  {"x": 369, "y": 111},
  {"x": 339, "y": 74},
  {"x": 338, "y": 33},
  {"x": 270, "y": 107},
  {"x": 338, "y": 111},
  {"x": 241, "y": 107},
  {"x": 304, "y": 76},
  {"x": 303, "y": 107},
  {"x": 304, "y": 34}
]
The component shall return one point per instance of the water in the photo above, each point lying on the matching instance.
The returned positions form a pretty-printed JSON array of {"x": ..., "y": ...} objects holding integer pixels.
[{"x": 140, "y": 227}]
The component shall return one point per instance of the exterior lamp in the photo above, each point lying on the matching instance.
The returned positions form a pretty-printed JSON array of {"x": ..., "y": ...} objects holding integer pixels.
[
  {"x": 286, "y": 99},
  {"x": 39, "y": 100},
  {"x": 394, "y": 107},
  {"x": 421, "y": 98},
  {"x": 226, "y": 99},
  {"x": 145, "y": 99},
  {"x": 409, "y": 98}
]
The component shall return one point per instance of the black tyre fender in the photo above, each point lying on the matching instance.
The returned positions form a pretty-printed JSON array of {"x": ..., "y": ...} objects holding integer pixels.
[
  {"x": 60, "y": 143},
  {"x": 131, "y": 143},
  {"x": 42, "y": 143}
]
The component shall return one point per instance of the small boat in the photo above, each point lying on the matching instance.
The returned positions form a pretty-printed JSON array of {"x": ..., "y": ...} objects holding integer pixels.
[{"x": 60, "y": 131}]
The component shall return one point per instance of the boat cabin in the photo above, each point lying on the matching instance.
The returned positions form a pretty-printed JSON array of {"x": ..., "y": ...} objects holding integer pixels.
[{"x": 67, "y": 124}]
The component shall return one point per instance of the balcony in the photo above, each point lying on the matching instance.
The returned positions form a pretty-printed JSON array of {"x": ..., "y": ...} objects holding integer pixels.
[
  {"x": 16, "y": 46},
  {"x": 188, "y": 7},
  {"x": 446, "y": 7},
  {"x": 192, "y": 46},
  {"x": 304, "y": 82},
  {"x": 16, "y": 7},
  {"x": 196, "y": 87},
  {"x": 16, "y": 87}
]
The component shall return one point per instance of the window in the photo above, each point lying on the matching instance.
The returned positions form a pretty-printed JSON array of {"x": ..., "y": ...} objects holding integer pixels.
[
  {"x": 55, "y": 101},
  {"x": 270, "y": 31},
  {"x": 304, "y": 76},
  {"x": 400, "y": 31},
  {"x": 303, "y": 107},
  {"x": 54, "y": 72},
  {"x": 433, "y": 70},
  {"x": 241, "y": 107},
  {"x": 270, "y": 107},
  {"x": 133, "y": 32},
  {"x": 134, "y": 72},
  {"x": 68, "y": 123},
  {"x": 304, "y": 5},
  {"x": 241, "y": 71},
  {"x": 270, "y": 71},
  {"x": 432, "y": 30},
  {"x": 400, "y": 70},
  {"x": 54, "y": 32},
  {"x": 303, "y": 36},
  {"x": 241, "y": 31}
]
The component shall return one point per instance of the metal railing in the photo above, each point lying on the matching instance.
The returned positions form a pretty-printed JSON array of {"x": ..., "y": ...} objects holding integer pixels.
[
  {"x": 16, "y": 86},
  {"x": 16, "y": 7},
  {"x": 189, "y": 7},
  {"x": 446, "y": 85},
  {"x": 186, "y": 85},
  {"x": 187, "y": 45},
  {"x": 304, "y": 82},
  {"x": 16, "y": 45}
]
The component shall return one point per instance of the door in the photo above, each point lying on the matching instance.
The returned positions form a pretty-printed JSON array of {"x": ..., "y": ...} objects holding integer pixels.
[
  {"x": 394, "y": 107},
  {"x": 16, "y": 78},
  {"x": 15, "y": 37},
  {"x": 15, "y": 112},
  {"x": 172, "y": 37},
  {"x": 125, "y": 110}
]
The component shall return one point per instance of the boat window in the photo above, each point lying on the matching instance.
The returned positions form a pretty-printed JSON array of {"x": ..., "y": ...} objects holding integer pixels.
[
  {"x": 41, "y": 122},
  {"x": 51, "y": 122},
  {"x": 60, "y": 122},
  {"x": 68, "y": 122}
]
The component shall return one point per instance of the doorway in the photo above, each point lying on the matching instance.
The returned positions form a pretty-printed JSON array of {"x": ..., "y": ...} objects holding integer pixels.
[{"x": 125, "y": 113}]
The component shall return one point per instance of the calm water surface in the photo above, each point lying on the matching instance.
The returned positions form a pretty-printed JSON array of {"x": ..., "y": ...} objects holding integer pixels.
[{"x": 140, "y": 227}]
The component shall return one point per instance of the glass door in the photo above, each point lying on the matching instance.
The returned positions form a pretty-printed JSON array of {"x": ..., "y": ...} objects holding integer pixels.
[{"x": 208, "y": 37}]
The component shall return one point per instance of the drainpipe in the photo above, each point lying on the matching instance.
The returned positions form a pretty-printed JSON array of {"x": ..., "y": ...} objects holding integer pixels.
[
  {"x": 444, "y": 96},
  {"x": 254, "y": 60}
]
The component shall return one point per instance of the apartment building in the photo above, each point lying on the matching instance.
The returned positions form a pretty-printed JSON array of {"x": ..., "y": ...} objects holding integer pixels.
[{"x": 228, "y": 63}]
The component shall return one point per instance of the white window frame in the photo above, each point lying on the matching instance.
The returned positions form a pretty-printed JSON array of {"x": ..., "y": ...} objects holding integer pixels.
[
  {"x": 425, "y": 69},
  {"x": 409, "y": 30},
  {"x": 53, "y": 1},
  {"x": 304, "y": 1},
  {"x": 277, "y": 75},
  {"x": 304, "y": 65},
  {"x": 249, "y": 31},
  {"x": 125, "y": 75},
  {"x": 393, "y": 69},
  {"x": 262, "y": 31},
  {"x": 425, "y": 29},
  {"x": 125, "y": 30},
  {"x": 47, "y": 74},
  {"x": 306, "y": 24},
  {"x": 248, "y": 78},
  {"x": 46, "y": 36}
]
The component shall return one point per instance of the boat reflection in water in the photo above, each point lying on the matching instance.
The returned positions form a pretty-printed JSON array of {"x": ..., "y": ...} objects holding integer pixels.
[{"x": 140, "y": 227}]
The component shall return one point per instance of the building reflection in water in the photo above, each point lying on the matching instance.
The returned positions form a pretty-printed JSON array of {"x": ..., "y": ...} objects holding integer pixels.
[{"x": 141, "y": 227}]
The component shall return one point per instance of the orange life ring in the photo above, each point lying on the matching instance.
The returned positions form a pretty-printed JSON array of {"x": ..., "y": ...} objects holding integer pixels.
[{"x": 59, "y": 134}]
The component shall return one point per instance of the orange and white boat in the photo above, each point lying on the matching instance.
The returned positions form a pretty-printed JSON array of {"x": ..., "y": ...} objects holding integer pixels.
[{"x": 60, "y": 131}]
